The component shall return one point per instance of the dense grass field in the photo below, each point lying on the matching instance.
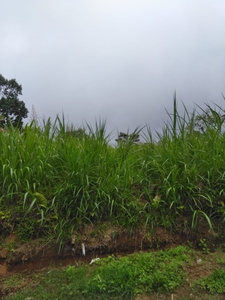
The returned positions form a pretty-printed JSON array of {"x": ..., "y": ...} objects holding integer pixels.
[{"x": 55, "y": 178}]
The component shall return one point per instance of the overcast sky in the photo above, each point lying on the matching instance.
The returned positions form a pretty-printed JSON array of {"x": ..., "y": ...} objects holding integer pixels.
[{"x": 119, "y": 60}]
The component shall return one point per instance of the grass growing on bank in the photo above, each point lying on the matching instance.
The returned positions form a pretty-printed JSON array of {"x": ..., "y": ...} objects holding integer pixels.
[
  {"x": 181, "y": 273},
  {"x": 123, "y": 278},
  {"x": 55, "y": 179}
]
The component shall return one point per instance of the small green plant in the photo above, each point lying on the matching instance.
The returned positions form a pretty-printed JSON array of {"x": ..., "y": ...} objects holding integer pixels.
[
  {"x": 11, "y": 247},
  {"x": 214, "y": 283},
  {"x": 13, "y": 281},
  {"x": 203, "y": 246},
  {"x": 26, "y": 230}
]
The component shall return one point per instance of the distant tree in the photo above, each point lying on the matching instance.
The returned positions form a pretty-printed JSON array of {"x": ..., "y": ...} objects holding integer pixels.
[
  {"x": 125, "y": 137},
  {"x": 12, "y": 110},
  {"x": 79, "y": 133}
]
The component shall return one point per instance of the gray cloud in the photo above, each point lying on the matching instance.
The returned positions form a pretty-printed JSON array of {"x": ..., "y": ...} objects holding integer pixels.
[{"x": 120, "y": 60}]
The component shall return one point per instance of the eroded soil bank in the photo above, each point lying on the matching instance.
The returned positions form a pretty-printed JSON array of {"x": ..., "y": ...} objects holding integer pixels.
[{"x": 92, "y": 242}]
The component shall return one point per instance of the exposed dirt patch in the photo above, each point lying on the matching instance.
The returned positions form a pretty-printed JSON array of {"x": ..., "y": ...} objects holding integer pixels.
[{"x": 87, "y": 243}]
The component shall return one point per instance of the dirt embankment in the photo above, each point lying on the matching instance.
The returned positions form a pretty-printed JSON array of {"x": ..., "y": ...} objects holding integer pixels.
[{"x": 88, "y": 243}]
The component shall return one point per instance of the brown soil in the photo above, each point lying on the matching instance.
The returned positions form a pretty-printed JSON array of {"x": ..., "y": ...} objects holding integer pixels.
[{"x": 39, "y": 255}]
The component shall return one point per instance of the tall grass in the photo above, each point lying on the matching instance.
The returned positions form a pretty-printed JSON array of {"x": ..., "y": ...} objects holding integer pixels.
[
  {"x": 187, "y": 167},
  {"x": 55, "y": 177}
]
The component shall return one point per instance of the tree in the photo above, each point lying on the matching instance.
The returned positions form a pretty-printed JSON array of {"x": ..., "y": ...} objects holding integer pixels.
[
  {"x": 12, "y": 110},
  {"x": 79, "y": 133},
  {"x": 125, "y": 138}
]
